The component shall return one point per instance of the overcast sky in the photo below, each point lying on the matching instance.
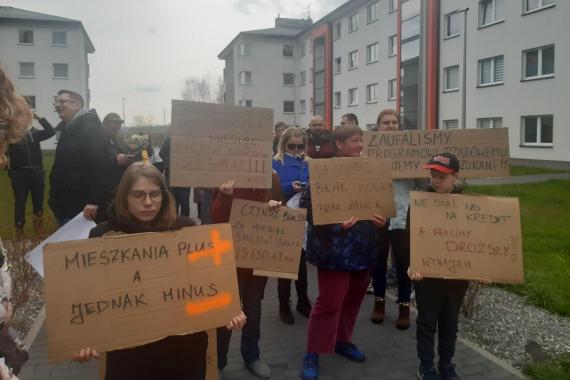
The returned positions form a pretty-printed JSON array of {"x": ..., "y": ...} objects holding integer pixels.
[{"x": 145, "y": 49}]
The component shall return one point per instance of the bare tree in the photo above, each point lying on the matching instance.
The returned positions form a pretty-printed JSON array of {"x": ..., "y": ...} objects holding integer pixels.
[
  {"x": 197, "y": 89},
  {"x": 141, "y": 120}
]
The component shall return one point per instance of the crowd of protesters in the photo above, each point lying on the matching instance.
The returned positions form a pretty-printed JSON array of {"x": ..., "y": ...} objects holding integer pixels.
[{"x": 125, "y": 189}]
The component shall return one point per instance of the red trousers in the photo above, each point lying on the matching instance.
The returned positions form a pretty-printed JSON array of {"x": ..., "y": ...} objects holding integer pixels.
[{"x": 334, "y": 313}]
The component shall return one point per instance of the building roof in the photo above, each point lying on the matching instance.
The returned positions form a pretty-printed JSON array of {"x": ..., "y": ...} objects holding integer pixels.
[
  {"x": 284, "y": 27},
  {"x": 17, "y": 14}
]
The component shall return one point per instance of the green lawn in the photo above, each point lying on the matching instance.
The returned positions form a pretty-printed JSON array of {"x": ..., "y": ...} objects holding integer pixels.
[
  {"x": 7, "y": 203},
  {"x": 557, "y": 369},
  {"x": 545, "y": 215},
  {"x": 525, "y": 170}
]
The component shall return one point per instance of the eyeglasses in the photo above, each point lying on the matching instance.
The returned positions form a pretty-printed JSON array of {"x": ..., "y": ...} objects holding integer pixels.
[
  {"x": 140, "y": 195},
  {"x": 296, "y": 146}
]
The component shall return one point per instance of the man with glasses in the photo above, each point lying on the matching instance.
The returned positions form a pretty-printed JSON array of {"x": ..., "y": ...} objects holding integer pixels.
[
  {"x": 81, "y": 167},
  {"x": 320, "y": 142}
]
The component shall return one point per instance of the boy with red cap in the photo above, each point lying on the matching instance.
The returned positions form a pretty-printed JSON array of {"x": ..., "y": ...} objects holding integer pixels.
[{"x": 438, "y": 300}]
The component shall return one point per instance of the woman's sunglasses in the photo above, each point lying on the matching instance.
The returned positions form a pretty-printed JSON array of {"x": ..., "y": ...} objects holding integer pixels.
[{"x": 295, "y": 146}]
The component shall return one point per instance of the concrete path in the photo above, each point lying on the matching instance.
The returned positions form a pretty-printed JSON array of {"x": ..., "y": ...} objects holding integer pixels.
[
  {"x": 391, "y": 353},
  {"x": 518, "y": 179}
]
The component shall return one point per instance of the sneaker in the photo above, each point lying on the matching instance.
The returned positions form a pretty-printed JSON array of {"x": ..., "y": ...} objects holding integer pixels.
[
  {"x": 285, "y": 313},
  {"x": 379, "y": 310},
  {"x": 259, "y": 369},
  {"x": 403, "y": 322},
  {"x": 370, "y": 288},
  {"x": 310, "y": 369},
  {"x": 427, "y": 374},
  {"x": 447, "y": 372},
  {"x": 349, "y": 351},
  {"x": 304, "y": 307}
]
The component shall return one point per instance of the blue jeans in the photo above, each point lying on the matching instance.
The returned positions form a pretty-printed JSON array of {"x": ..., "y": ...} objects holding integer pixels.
[
  {"x": 400, "y": 242},
  {"x": 251, "y": 290}
]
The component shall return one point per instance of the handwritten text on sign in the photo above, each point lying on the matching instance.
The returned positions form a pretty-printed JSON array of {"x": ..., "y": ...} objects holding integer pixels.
[
  {"x": 481, "y": 152},
  {"x": 346, "y": 187},
  {"x": 268, "y": 239},
  {"x": 212, "y": 143},
  {"x": 466, "y": 237},
  {"x": 121, "y": 291}
]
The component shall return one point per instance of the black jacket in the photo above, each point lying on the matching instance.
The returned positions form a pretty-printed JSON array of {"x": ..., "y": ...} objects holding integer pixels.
[
  {"x": 28, "y": 152},
  {"x": 80, "y": 173}
]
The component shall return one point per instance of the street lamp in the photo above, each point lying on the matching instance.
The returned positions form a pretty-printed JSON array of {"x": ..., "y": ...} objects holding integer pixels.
[
  {"x": 124, "y": 119},
  {"x": 464, "y": 87}
]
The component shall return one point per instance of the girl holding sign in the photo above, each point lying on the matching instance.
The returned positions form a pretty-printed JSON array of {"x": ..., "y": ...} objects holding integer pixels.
[
  {"x": 293, "y": 171},
  {"x": 143, "y": 204},
  {"x": 344, "y": 254}
]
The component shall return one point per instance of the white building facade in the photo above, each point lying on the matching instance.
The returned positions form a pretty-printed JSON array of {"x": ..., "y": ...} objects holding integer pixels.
[
  {"x": 366, "y": 56},
  {"x": 43, "y": 54}
]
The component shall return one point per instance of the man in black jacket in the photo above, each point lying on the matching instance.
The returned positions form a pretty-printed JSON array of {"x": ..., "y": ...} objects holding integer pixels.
[
  {"x": 79, "y": 177},
  {"x": 27, "y": 173}
]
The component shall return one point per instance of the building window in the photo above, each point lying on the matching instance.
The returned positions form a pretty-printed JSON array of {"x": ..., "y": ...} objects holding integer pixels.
[
  {"x": 392, "y": 5},
  {"x": 392, "y": 45},
  {"x": 302, "y": 106},
  {"x": 337, "y": 99},
  {"x": 302, "y": 50},
  {"x": 244, "y": 49},
  {"x": 27, "y": 69},
  {"x": 60, "y": 70},
  {"x": 490, "y": 11},
  {"x": 372, "y": 93},
  {"x": 245, "y": 77},
  {"x": 450, "y": 124},
  {"x": 372, "y": 53},
  {"x": 452, "y": 26},
  {"x": 538, "y": 63},
  {"x": 337, "y": 30},
  {"x": 537, "y": 130},
  {"x": 31, "y": 100},
  {"x": 451, "y": 78},
  {"x": 288, "y": 79},
  {"x": 353, "y": 60},
  {"x": 302, "y": 78},
  {"x": 490, "y": 122},
  {"x": 288, "y": 51},
  {"x": 59, "y": 38},
  {"x": 491, "y": 71},
  {"x": 534, "y": 5},
  {"x": 392, "y": 84},
  {"x": 288, "y": 106},
  {"x": 353, "y": 96},
  {"x": 246, "y": 103},
  {"x": 372, "y": 12},
  {"x": 26, "y": 37},
  {"x": 353, "y": 23},
  {"x": 337, "y": 65}
]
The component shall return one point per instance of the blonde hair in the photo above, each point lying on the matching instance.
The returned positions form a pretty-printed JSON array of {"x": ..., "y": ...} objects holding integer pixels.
[
  {"x": 166, "y": 216},
  {"x": 285, "y": 137},
  {"x": 15, "y": 116}
]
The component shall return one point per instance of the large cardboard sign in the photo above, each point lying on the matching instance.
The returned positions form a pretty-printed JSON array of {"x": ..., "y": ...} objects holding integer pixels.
[
  {"x": 122, "y": 291},
  {"x": 481, "y": 152},
  {"x": 346, "y": 187},
  {"x": 213, "y": 143},
  {"x": 466, "y": 237},
  {"x": 269, "y": 240}
]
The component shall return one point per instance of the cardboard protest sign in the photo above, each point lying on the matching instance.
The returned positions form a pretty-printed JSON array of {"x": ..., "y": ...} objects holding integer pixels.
[
  {"x": 269, "y": 240},
  {"x": 346, "y": 187},
  {"x": 122, "y": 291},
  {"x": 466, "y": 237},
  {"x": 213, "y": 143},
  {"x": 481, "y": 152}
]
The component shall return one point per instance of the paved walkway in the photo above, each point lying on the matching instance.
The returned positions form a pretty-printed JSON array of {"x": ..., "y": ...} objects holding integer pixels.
[
  {"x": 391, "y": 353},
  {"x": 518, "y": 179}
]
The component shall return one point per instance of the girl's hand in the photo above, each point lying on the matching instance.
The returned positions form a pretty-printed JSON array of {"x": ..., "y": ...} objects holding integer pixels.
[
  {"x": 414, "y": 276},
  {"x": 85, "y": 354},
  {"x": 349, "y": 223},
  {"x": 227, "y": 188},
  {"x": 379, "y": 220},
  {"x": 274, "y": 204},
  {"x": 237, "y": 322}
]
